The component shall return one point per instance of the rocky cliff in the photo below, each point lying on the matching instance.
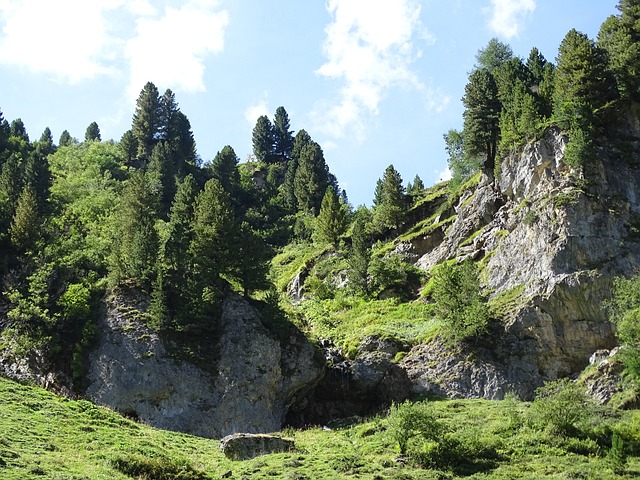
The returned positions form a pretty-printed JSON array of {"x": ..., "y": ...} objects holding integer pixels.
[
  {"x": 550, "y": 240},
  {"x": 250, "y": 385}
]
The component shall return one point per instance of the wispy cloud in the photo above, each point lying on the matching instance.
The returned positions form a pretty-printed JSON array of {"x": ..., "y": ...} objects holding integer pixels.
[
  {"x": 507, "y": 16},
  {"x": 170, "y": 49},
  {"x": 370, "y": 47},
  {"x": 79, "y": 40}
]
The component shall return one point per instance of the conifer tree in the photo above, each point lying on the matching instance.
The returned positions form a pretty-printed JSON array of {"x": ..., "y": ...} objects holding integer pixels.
[
  {"x": 251, "y": 256},
  {"x": 416, "y": 187},
  {"x": 311, "y": 178},
  {"x": 37, "y": 175},
  {"x": 301, "y": 140},
  {"x": 331, "y": 222},
  {"x": 18, "y": 130},
  {"x": 147, "y": 120},
  {"x": 183, "y": 144},
  {"x": 224, "y": 168},
  {"x": 493, "y": 55},
  {"x": 45, "y": 144},
  {"x": 282, "y": 136},
  {"x": 11, "y": 184},
  {"x": 128, "y": 145},
  {"x": 359, "y": 258},
  {"x": 168, "y": 112},
  {"x": 25, "y": 226},
  {"x": 65, "y": 139},
  {"x": 391, "y": 210},
  {"x": 481, "y": 117},
  {"x": 263, "y": 139},
  {"x": 92, "y": 133},
  {"x": 162, "y": 171},
  {"x": 135, "y": 243}
]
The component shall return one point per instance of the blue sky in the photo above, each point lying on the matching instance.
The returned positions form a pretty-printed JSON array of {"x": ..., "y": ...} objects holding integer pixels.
[{"x": 375, "y": 82}]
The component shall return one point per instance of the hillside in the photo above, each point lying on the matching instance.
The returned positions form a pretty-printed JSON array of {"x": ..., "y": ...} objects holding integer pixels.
[
  {"x": 486, "y": 325},
  {"x": 44, "y": 436}
]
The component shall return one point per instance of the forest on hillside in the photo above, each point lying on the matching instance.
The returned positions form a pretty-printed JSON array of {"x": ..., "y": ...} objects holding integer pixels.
[
  {"x": 81, "y": 219},
  {"x": 83, "y": 216}
]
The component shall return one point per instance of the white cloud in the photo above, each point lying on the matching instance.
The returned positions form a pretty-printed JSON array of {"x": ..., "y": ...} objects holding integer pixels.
[
  {"x": 370, "y": 47},
  {"x": 507, "y": 16},
  {"x": 256, "y": 110},
  {"x": 78, "y": 40},
  {"x": 65, "y": 38},
  {"x": 170, "y": 50}
]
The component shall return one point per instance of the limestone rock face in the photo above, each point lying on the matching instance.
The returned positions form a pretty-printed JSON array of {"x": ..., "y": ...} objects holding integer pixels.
[
  {"x": 556, "y": 239},
  {"x": 250, "y": 387}
]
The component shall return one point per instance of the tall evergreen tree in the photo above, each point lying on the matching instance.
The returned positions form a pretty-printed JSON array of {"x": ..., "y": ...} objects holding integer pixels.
[
  {"x": 11, "y": 184},
  {"x": 183, "y": 143},
  {"x": 65, "y": 139},
  {"x": 224, "y": 168},
  {"x": 311, "y": 178},
  {"x": 583, "y": 81},
  {"x": 37, "y": 175},
  {"x": 301, "y": 140},
  {"x": 175, "y": 259},
  {"x": 331, "y": 222},
  {"x": 25, "y": 225},
  {"x": 92, "y": 133},
  {"x": 282, "y": 136},
  {"x": 147, "y": 120},
  {"x": 128, "y": 145},
  {"x": 251, "y": 256},
  {"x": 263, "y": 139},
  {"x": 391, "y": 210},
  {"x": 162, "y": 171},
  {"x": 135, "y": 243},
  {"x": 18, "y": 130},
  {"x": 45, "y": 144},
  {"x": 481, "y": 117},
  {"x": 359, "y": 258},
  {"x": 168, "y": 112}
]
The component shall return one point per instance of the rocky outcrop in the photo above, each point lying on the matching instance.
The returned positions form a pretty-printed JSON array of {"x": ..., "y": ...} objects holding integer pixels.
[
  {"x": 557, "y": 237},
  {"x": 249, "y": 386}
]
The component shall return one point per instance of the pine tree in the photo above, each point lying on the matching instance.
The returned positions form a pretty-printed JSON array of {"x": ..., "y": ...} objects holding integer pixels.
[
  {"x": 311, "y": 179},
  {"x": 147, "y": 120},
  {"x": 162, "y": 171},
  {"x": 11, "y": 184},
  {"x": 183, "y": 144},
  {"x": 168, "y": 112},
  {"x": 331, "y": 222},
  {"x": 493, "y": 55},
  {"x": 45, "y": 144},
  {"x": 25, "y": 226},
  {"x": 37, "y": 175},
  {"x": 481, "y": 118},
  {"x": 583, "y": 82},
  {"x": 416, "y": 187},
  {"x": 283, "y": 137},
  {"x": 175, "y": 260},
  {"x": 128, "y": 145},
  {"x": 65, "y": 139},
  {"x": 391, "y": 210},
  {"x": 263, "y": 139},
  {"x": 251, "y": 260},
  {"x": 224, "y": 168},
  {"x": 359, "y": 258},
  {"x": 135, "y": 243},
  {"x": 18, "y": 130},
  {"x": 92, "y": 134}
]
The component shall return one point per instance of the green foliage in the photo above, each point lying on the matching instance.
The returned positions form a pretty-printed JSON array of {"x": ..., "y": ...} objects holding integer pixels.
[
  {"x": 409, "y": 420},
  {"x": 331, "y": 222},
  {"x": 481, "y": 117},
  {"x": 393, "y": 276},
  {"x": 282, "y": 136},
  {"x": 359, "y": 258},
  {"x": 25, "y": 226},
  {"x": 311, "y": 178},
  {"x": 562, "y": 406},
  {"x": 147, "y": 119},
  {"x": 625, "y": 313},
  {"x": 458, "y": 301},
  {"x": 157, "y": 468},
  {"x": 390, "y": 203},
  {"x": 617, "y": 455},
  {"x": 92, "y": 134},
  {"x": 263, "y": 139},
  {"x": 493, "y": 55},
  {"x": 75, "y": 302}
]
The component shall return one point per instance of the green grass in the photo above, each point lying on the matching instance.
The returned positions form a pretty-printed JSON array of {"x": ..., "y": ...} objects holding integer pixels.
[{"x": 43, "y": 436}]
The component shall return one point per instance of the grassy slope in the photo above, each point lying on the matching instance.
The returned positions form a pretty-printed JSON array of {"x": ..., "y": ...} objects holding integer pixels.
[{"x": 46, "y": 437}]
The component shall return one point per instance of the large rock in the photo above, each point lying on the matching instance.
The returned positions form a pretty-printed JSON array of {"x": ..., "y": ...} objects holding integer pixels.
[
  {"x": 252, "y": 382},
  {"x": 245, "y": 446}
]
